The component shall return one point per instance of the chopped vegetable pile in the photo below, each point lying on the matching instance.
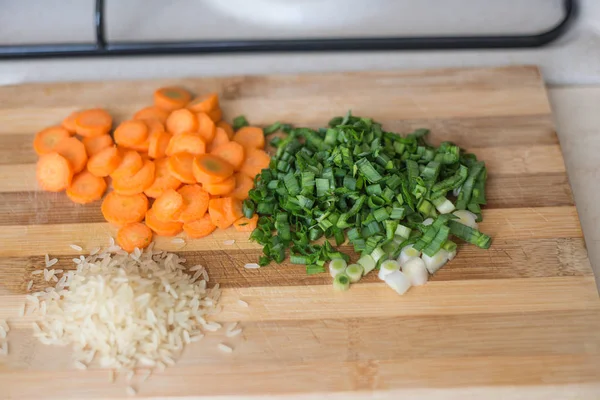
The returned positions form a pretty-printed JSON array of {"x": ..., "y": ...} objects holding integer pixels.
[{"x": 380, "y": 191}]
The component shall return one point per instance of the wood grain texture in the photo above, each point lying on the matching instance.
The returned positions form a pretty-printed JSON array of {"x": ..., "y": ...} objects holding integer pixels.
[{"x": 520, "y": 320}]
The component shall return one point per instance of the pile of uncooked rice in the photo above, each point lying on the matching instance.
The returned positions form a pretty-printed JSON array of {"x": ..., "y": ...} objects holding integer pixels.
[{"x": 125, "y": 310}]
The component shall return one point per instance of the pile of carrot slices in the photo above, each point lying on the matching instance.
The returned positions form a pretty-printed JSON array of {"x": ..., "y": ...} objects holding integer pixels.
[{"x": 175, "y": 166}]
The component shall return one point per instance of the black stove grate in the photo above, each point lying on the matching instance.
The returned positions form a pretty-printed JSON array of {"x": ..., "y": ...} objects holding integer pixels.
[{"x": 104, "y": 48}]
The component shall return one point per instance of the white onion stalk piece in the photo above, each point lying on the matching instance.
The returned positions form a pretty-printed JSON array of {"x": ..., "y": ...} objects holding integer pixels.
[
  {"x": 398, "y": 281},
  {"x": 407, "y": 253},
  {"x": 354, "y": 272},
  {"x": 435, "y": 262},
  {"x": 387, "y": 267},
  {"x": 428, "y": 222},
  {"x": 337, "y": 266},
  {"x": 466, "y": 218},
  {"x": 367, "y": 263},
  {"x": 446, "y": 207},
  {"x": 416, "y": 271}
]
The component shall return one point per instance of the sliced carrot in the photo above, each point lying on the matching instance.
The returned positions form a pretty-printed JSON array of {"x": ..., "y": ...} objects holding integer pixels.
[
  {"x": 142, "y": 148},
  {"x": 205, "y": 103},
  {"x": 216, "y": 115},
  {"x": 167, "y": 205},
  {"x": 86, "y": 188},
  {"x": 137, "y": 183},
  {"x": 255, "y": 161},
  {"x": 134, "y": 235},
  {"x": 105, "y": 162},
  {"x": 228, "y": 128},
  {"x": 93, "y": 122},
  {"x": 186, "y": 142},
  {"x": 152, "y": 113},
  {"x": 162, "y": 228},
  {"x": 232, "y": 152},
  {"x": 246, "y": 224},
  {"x": 195, "y": 203},
  {"x": 171, "y": 98},
  {"x": 131, "y": 163},
  {"x": 199, "y": 228},
  {"x": 119, "y": 209},
  {"x": 208, "y": 168},
  {"x": 250, "y": 137},
  {"x": 206, "y": 127},
  {"x": 243, "y": 185},
  {"x": 221, "y": 188},
  {"x": 73, "y": 150},
  {"x": 130, "y": 133},
  {"x": 158, "y": 143},
  {"x": 69, "y": 122},
  {"x": 180, "y": 166},
  {"x": 46, "y": 140},
  {"x": 224, "y": 211},
  {"x": 219, "y": 139},
  {"x": 54, "y": 172},
  {"x": 182, "y": 120},
  {"x": 163, "y": 179},
  {"x": 93, "y": 145}
]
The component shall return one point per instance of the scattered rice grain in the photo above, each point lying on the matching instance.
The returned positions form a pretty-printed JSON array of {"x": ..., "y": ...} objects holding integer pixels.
[
  {"x": 228, "y": 242},
  {"x": 76, "y": 247},
  {"x": 233, "y": 333},
  {"x": 224, "y": 348},
  {"x": 242, "y": 303},
  {"x": 29, "y": 285},
  {"x": 130, "y": 391},
  {"x": 178, "y": 241},
  {"x": 251, "y": 266},
  {"x": 79, "y": 365},
  {"x": 37, "y": 272}
]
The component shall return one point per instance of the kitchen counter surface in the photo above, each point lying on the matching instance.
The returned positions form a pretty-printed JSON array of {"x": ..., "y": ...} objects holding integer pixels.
[{"x": 577, "y": 118}]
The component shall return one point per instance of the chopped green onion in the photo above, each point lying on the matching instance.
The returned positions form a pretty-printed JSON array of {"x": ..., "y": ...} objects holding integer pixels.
[
  {"x": 240, "y": 122},
  {"x": 470, "y": 235},
  {"x": 403, "y": 231},
  {"x": 368, "y": 263},
  {"x": 341, "y": 282},
  {"x": 337, "y": 266},
  {"x": 378, "y": 254},
  {"x": 354, "y": 272},
  {"x": 272, "y": 128},
  {"x": 314, "y": 269}
]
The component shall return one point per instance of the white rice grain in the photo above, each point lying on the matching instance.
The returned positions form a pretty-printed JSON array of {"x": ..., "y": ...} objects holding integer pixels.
[
  {"x": 130, "y": 391},
  {"x": 79, "y": 365},
  {"x": 29, "y": 285},
  {"x": 243, "y": 303},
  {"x": 196, "y": 268},
  {"x": 251, "y": 266},
  {"x": 46, "y": 259},
  {"x": 37, "y": 272},
  {"x": 51, "y": 262},
  {"x": 178, "y": 241},
  {"x": 228, "y": 242},
  {"x": 224, "y": 348},
  {"x": 76, "y": 247},
  {"x": 233, "y": 333}
]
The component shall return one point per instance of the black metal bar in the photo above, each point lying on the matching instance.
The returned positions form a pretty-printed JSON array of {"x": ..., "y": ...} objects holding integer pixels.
[{"x": 102, "y": 48}]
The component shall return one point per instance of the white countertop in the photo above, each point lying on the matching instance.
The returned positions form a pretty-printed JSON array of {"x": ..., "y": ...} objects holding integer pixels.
[{"x": 577, "y": 118}]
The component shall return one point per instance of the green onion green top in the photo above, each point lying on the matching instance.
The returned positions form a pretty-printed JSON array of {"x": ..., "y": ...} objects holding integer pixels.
[{"x": 354, "y": 181}]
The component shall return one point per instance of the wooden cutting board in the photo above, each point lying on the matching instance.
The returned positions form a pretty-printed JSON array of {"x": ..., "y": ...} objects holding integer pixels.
[{"x": 520, "y": 320}]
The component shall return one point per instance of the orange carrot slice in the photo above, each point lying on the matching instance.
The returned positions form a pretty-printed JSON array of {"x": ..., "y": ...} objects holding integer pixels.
[
  {"x": 208, "y": 168},
  {"x": 221, "y": 188},
  {"x": 199, "y": 228},
  {"x": 162, "y": 228},
  {"x": 171, "y": 98},
  {"x": 46, "y": 140},
  {"x": 182, "y": 120},
  {"x": 152, "y": 113},
  {"x": 130, "y": 133},
  {"x": 69, "y": 122},
  {"x": 105, "y": 162},
  {"x": 134, "y": 235},
  {"x": 167, "y": 205},
  {"x": 232, "y": 152},
  {"x": 205, "y": 103},
  {"x": 250, "y": 137},
  {"x": 224, "y": 211},
  {"x": 73, "y": 150},
  {"x": 119, "y": 209},
  {"x": 93, "y": 145},
  {"x": 195, "y": 203},
  {"x": 54, "y": 172},
  {"x": 137, "y": 183},
  {"x": 227, "y": 128},
  {"x": 220, "y": 139},
  {"x": 206, "y": 127},
  {"x": 86, "y": 188},
  {"x": 141, "y": 148},
  {"x": 180, "y": 166},
  {"x": 186, "y": 142},
  {"x": 255, "y": 161},
  {"x": 246, "y": 224},
  {"x": 158, "y": 143},
  {"x": 163, "y": 179},
  {"x": 93, "y": 122},
  {"x": 216, "y": 115},
  {"x": 131, "y": 163},
  {"x": 243, "y": 185}
]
